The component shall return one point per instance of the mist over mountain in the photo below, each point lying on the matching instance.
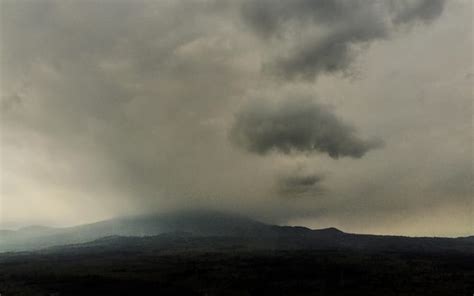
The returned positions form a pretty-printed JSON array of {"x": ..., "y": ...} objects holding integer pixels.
[
  {"x": 197, "y": 222},
  {"x": 215, "y": 253},
  {"x": 217, "y": 226}
]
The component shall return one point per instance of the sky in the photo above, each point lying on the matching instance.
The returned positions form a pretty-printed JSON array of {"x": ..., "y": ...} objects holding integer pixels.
[{"x": 329, "y": 113}]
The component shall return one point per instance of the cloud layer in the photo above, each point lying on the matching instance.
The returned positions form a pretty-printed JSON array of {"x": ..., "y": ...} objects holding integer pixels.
[
  {"x": 323, "y": 36},
  {"x": 296, "y": 125},
  {"x": 122, "y": 107}
]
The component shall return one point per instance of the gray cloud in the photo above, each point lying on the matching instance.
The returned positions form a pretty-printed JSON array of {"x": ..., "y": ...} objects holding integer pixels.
[
  {"x": 324, "y": 35},
  {"x": 268, "y": 18},
  {"x": 332, "y": 53},
  {"x": 300, "y": 185},
  {"x": 412, "y": 11},
  {"x": 296, "y": 125}
]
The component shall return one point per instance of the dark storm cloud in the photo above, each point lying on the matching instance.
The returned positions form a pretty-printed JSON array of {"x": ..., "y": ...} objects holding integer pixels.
[
  {"x": 297, "y": 125},
  {"x": 300, "y": 185},
  {"x": 332, "y": 53},
  {"x": 268, "y": 17},
  {"x": 422, "y": 10},
  {"x": 342, "y": 26}
]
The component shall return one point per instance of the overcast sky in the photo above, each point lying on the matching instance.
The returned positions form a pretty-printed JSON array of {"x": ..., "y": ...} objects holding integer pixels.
[{"x": 353, "y": 114}]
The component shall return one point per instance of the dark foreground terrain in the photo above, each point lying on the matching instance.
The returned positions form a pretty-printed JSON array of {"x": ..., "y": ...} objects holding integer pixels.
[
  {"x": 209, "y": 253},
  {"x": 186, "y": 265}
]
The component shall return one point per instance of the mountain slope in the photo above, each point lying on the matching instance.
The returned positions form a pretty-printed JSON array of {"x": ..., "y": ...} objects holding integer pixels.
[
  {"x": 213, "y": 230},
  {"x": 202, "y": 223}
]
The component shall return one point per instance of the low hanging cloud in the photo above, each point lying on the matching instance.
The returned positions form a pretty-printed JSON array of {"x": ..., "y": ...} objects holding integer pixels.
[
  {"x": 325, "y": 36},
  {"x": 297, "y": 126},
  {"x": 300, "y": 185}
]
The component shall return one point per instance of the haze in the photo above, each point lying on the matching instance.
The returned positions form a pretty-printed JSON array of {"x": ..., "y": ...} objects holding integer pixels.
[{"x": 348, "y": 114}]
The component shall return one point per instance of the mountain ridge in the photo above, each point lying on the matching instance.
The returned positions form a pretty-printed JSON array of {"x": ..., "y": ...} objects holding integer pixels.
[{"x": 222, "y": 227}]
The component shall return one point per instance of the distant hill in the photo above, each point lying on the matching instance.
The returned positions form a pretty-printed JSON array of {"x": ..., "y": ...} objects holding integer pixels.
[
  {"x": 214, "y": 230},
  {"x": 202, "y": 223}
]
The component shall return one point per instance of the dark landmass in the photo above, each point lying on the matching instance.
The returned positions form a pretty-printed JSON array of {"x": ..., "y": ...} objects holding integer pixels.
[
  {"x": 216, "y": 224},
  {"x": 219, "y": 254}
]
